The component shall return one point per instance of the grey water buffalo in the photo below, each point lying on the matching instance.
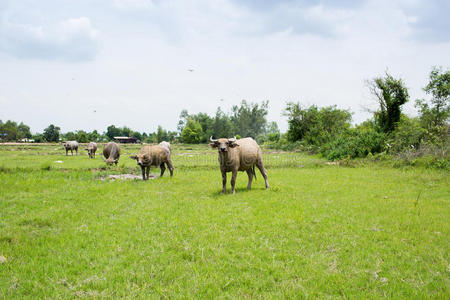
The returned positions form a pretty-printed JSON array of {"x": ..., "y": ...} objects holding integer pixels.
[
  {"x": 153, "y": 156},
  {"x": 239, "y": 155},
  {"x": 91, "y": 148},
  {"x": 111, "y": 153},
  {"x": 71, "y": 145}
]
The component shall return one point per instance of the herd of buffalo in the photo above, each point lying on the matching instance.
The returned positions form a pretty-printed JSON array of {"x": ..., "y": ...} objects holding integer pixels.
[{"x": 234, "y": 155}]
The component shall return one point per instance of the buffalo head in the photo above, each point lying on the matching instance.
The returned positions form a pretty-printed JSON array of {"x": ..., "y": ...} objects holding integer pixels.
[
  {"x": 141, "y": 159},
  {"x": 223, "y": 144},
  {"x": 110, "y": 161}
]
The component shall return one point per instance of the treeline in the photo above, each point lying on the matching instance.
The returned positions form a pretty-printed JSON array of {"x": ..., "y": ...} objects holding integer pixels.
[
  {"x": 328, "y": 130},
  {"x": 324, "y": 130},
  {"x": 245, "y": 119}
]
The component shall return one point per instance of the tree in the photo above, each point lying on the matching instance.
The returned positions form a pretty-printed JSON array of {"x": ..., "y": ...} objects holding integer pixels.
[
  {"x": 126, "y": 131},
  {"x": 161, "y": 134},
  {"x": 315, "y": 125},
  {"x": 39, "y": 138},
  {"x": 273, "y": 132},
  {"x": 221, "y": 126},
  {"x": 184, "y": 116},
  {"x": 51, "y": 133},
  {"x": 249, "y": 119},
  {"x": 171, "y": 136},
  {"x": 434, "y": 116},
  {"x": 82, "y": 136},
  {"x": 207, "y": 125},
  {"x": 408, "y": 135},
  {"x": 23, "y": 131},
  {"x": 137, "y": 135},
  {"x": 391, "y": 94},
  {"x": 94, "y": 136},
  {"x": 113, "y": 131},
  {"x": 70, "y": 136},
  {"x": 151, "y": 138},
  {"x": 8, "y": 131},
  {"x": 192, "y": 132}
]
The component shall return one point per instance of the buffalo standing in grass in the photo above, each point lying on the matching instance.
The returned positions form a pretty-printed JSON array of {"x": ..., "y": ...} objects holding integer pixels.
[
  {"x": 239, "y": 155},
  {"x": 111, "y": 153},
  {"x": 153, "y": 156},
  {"x": 71, "y": 145},
  {"x": 91, "y": 149}
]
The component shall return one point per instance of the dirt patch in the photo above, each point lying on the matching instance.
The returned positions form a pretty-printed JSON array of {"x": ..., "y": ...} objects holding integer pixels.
[
  {"x": 124, "y": 177},
  {"x": 274, "y": 152},
  {"x": 191, "y": 153}
]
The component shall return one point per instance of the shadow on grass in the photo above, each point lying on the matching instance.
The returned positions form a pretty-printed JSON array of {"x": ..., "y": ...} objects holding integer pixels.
[{"x": 238, "y": 190}]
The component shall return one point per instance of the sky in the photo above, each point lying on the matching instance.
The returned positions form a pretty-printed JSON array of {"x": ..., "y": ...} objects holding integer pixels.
[{"x": 87, "y": 64}]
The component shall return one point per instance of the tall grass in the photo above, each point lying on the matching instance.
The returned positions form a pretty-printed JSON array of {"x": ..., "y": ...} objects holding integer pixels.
[{"x": 318, "y": 232}]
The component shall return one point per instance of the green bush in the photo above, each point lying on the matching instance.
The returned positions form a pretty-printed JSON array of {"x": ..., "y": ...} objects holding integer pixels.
[
  {"x": 314, "y": 125},
  {"x": 355, "y": 142},
  {"x": 192, "y": 132},
  {"x": 408, "y": 134}
]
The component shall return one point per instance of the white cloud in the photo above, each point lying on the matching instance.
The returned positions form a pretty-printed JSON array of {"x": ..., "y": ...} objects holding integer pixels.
[
  {"x": 133, "y": 4},
  {"x": 78, "y": 27},
  {"x": 74, "y": 39},
  {"x": 316, "y": 52}
]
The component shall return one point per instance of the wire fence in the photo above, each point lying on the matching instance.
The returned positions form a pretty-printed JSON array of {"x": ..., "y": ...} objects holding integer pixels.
[{"x": 282, "y": 160}]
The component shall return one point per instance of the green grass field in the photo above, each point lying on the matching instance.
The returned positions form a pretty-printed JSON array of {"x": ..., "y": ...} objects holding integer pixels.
[{"x": 320, "y": 231}]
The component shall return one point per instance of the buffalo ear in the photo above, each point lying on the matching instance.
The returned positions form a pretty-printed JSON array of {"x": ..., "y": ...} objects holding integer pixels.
[
  {"x": 133, "y": 156},
  {"x": 213, "y": 145}
]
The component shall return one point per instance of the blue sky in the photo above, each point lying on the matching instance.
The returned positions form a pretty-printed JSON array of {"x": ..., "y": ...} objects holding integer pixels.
[{"x": 88, "y": 64}]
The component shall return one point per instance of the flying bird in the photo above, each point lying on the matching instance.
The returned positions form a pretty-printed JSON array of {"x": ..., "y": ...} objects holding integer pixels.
[{"x": 191, "y": 70}]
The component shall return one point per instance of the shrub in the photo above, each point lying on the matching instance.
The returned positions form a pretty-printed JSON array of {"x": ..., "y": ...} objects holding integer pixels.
[
  {"x": 192, "y": 132},
  {"x": 315, "y": 125},
  {"x": 408, "y": 134},
  {"x": 356, "y": 142}
]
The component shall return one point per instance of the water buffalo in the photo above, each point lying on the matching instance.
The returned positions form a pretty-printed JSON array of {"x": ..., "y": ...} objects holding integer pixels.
[
  {"x": 239, "y": 155},
  {"x": 153, "y": 156},
  {"x": 71, "y": 145},
  {"x": 91, "y": 148},
  {"x": 111, "y": 153}
]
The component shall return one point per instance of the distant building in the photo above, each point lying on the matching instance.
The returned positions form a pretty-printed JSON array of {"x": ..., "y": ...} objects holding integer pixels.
[
  {"x": 126, "y": 140},
  {"x": 27, "y": 140}
]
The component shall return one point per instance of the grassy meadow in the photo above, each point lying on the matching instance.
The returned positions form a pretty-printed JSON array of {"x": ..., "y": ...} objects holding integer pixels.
[{"x": 320, "y": 231}]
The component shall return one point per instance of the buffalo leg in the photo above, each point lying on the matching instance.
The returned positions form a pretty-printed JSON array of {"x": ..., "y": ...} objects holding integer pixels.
[
  {"x": 170, "y": 166},
  {"x": 250, "y": 179},
  {"x": 67, "y": 152},
  {"x": 143, "y": 172},
  {"x": 233, "y": 181},
  {"x": 163, "y": 169},
  {"x": 148, "y": 172},
  {"x": 71, "y": 151},
  {"x": 224, "y": 182},
  {"x": 263, "y": 171}
]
